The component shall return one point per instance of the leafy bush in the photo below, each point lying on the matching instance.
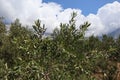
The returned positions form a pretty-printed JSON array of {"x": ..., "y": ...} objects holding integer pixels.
[{"x": 66, "y": 55}]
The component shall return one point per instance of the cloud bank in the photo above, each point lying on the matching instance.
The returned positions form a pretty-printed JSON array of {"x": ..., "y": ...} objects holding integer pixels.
[{"x": 51, "y": 14}]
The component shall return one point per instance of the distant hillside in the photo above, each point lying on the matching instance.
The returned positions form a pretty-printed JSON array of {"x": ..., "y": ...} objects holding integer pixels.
[{"x": 115, "y": 33}]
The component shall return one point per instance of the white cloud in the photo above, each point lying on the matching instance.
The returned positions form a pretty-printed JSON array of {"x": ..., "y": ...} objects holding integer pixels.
[
  {"x": 106, "y": 20},
  {"x": 96, "y": 27},
  {"x": 109, "y": 15},
  {"x": 51, "y": 14},
  {"x": 22, "y": 9}
]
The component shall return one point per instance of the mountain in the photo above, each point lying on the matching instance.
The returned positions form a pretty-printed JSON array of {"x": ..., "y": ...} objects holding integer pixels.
[{"x": 115, "y": 33}]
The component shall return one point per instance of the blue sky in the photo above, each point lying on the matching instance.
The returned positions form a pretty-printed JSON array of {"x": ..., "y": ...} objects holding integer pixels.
[{"x": 87, "y": 6}]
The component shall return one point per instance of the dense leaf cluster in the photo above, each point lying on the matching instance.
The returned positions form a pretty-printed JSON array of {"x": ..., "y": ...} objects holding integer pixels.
[{"x": 66, "y": 54}]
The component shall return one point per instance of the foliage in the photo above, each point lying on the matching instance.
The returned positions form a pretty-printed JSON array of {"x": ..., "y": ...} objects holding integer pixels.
[{"x": 66, "y": 55}]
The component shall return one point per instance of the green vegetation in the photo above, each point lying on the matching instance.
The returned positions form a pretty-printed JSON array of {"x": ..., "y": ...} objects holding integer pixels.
[{"x": 67, "y": 55}]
